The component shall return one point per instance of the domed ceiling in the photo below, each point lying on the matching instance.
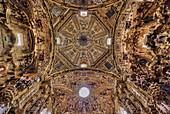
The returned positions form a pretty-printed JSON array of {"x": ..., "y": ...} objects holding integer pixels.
[
  {"x": 100, "y": 85},
  {"x": 83, "y": 40},
  {"x": 84, "y": 56}
]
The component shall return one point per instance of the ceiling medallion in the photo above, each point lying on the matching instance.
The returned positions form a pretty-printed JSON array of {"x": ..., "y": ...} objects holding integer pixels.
[{"x": 83, "y": 40}]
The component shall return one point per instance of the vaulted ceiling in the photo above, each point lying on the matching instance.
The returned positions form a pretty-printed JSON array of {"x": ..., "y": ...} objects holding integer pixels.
[{"x": 50, "y": 49}]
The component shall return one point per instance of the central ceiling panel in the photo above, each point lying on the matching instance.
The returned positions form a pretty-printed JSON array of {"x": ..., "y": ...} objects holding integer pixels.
[{"x": 83, "y": 40}]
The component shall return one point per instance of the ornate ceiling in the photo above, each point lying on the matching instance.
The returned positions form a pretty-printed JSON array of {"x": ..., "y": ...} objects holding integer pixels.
[
  {"x": 50, "y": 49},
  {"x": 83, "y": 40}
]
